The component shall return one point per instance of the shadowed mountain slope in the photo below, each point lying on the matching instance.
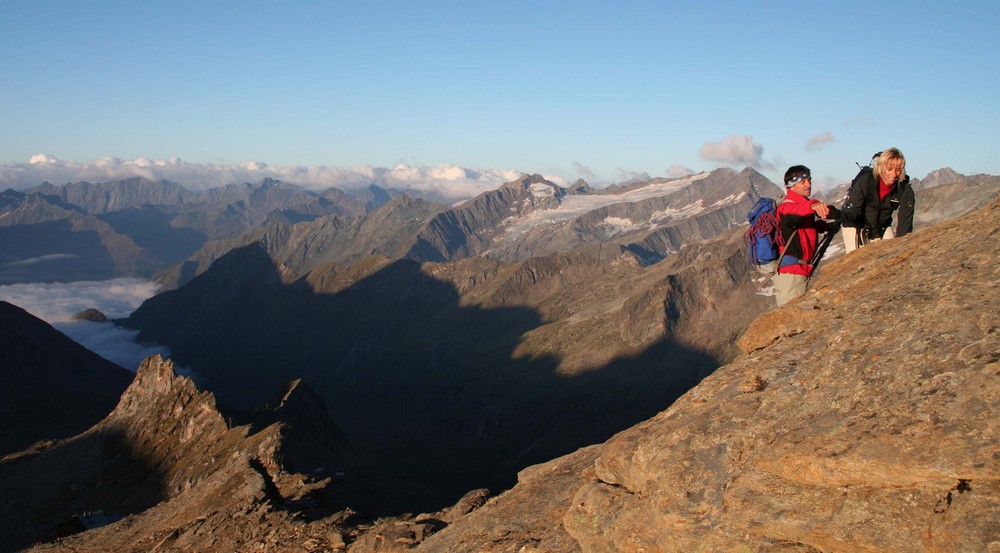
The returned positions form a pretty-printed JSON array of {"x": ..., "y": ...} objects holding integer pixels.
[
  {"x": 45, "y": 239},
  {"x": 52, "y": 387},
  {"x": 459, "y": 374}
]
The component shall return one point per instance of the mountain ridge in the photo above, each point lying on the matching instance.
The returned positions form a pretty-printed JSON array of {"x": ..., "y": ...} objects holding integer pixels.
[{"x": 824, "y": 437}]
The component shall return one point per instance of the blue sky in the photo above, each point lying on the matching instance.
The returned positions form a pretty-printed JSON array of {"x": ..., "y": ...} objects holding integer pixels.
[{"x": 593, "y": 90}]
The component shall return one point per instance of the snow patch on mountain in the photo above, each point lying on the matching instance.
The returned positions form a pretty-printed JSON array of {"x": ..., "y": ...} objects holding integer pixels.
[
  {"x": 682, "y": 212},
  {"x": 573, "y": 206},
  {"x": 731, "y": 199},
  {"x": 618, "y": 225},
  {"x": 660, "y": 217},
  {"x": 542, "y": 190}
]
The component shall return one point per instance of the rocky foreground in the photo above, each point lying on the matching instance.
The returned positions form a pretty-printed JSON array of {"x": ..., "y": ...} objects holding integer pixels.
[
  {"x": 864, "y": 417},
  {"x": 861, "y": 417}
]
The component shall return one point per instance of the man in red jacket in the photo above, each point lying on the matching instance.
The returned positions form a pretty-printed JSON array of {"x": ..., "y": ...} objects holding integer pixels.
[{"x": 801, "y": 221}]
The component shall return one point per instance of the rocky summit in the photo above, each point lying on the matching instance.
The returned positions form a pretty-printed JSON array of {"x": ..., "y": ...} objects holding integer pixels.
[{"x": 167, "y": 471}]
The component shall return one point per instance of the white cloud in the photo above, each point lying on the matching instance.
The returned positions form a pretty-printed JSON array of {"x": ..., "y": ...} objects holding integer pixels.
[
  {"x": 41, "y": 259},
  {"x": 447, "y": 180},
  {"x": 627, "y": 175},
  {"x": 42, "y": 159},
  {"x": 557, "y": 180},
  {"x": 584, "y": 171},
  {"x": 817, "y": 142},
  {"x": 734, "y": 150},
  {"x": 678, "y": 171},
  {"x": 57, "y": 303}
]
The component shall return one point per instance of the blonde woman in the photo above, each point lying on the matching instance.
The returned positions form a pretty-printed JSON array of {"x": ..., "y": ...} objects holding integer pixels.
[{"x": 873, "y": 200}]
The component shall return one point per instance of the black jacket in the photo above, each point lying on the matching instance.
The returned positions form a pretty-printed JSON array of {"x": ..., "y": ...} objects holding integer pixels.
[{"x": 864, "y": 209}]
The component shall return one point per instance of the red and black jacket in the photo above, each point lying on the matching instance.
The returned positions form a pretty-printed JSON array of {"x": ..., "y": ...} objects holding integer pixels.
[{"x": 800, "y": 229}]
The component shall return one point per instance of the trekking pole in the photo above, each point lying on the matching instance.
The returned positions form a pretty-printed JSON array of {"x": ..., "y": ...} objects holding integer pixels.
[{"x": 821, "y": 249}]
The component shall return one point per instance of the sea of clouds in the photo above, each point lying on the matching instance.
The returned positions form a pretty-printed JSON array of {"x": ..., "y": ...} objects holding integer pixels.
[
  {"x": 58, "y": 303},
  {"x": 445, "y": 181},
  {"x": 450, "y": 182}
]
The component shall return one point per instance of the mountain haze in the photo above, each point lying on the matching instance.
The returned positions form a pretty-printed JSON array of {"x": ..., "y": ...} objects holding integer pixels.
[
  {"x": 158, "y": 229},
  {"x": 135, "y": 227}
]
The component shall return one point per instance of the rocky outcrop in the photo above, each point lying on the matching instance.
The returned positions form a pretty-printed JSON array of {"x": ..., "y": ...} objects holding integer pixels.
[
  {"x": 864, "y": 417},
  {"x": 167, "y": 471},
  {"x": 162, "y": 441},
  {"x": 92, "y": 315}
]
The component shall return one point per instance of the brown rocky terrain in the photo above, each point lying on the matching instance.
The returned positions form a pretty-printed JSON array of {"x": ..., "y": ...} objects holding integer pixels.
[
  {"x": 860, "y": 417},
  {"x": 863, "y": 417},
  {"x": 167, "y": 471}
]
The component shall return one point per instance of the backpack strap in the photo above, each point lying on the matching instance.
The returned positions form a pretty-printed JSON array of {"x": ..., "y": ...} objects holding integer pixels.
[{"x": 784, "y": 247}]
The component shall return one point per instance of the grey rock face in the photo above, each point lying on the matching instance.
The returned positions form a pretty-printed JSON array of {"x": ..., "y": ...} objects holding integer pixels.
[{"x": 533, "y": 217}]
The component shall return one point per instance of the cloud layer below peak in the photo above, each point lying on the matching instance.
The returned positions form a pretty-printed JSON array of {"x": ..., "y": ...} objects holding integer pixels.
[{"x": 445, "y": 180}]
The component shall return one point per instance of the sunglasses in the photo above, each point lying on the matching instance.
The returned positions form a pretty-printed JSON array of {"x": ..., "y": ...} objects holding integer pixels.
[{"x": 798, "y": 177}]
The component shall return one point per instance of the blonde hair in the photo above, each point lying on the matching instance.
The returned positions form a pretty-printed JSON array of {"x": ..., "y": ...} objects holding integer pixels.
[{"x": 890, "y": 154}]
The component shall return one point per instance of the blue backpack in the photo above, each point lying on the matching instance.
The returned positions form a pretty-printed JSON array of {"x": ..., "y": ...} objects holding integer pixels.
[{"x": 763, "y": 238}]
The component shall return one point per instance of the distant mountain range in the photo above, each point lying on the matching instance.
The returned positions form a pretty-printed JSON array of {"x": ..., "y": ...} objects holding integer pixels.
[
  {"x": 135, "y": 227},
  {"x": 526, "y": 218}
]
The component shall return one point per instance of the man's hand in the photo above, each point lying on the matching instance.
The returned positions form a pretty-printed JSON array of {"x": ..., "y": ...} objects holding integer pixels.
[{"x": 821, "y": 209}]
